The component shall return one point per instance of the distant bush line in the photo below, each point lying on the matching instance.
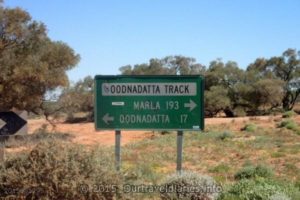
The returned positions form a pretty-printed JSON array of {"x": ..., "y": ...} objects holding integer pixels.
[{"x": 266, "y": 86}]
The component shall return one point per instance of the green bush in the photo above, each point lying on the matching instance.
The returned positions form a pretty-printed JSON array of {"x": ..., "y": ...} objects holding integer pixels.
[
  {"x": 221, "y": 168},
  {"x": 289, "y": 114},
  {"x": 56, "y": 170},
  {"x": 297, "y": 184},
  {"x": 291, "y": 125},
  {"x": 249, "y": 172},
  {"x": 249, "y": 128},
  {"x": 225, "y": 135},
  {"x": 280, "y": 196},
  {"x": 239, "y": 112},
  {"x": 259, "y": 189},
  {"x": 190, "y": 185}
]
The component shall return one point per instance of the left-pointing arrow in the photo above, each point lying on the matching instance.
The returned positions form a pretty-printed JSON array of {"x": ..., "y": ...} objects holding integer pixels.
[{"x": 106, "y": 118}]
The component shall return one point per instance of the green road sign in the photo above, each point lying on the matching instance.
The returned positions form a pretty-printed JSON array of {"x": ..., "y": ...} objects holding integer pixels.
[{"x": 149, "y": 102}]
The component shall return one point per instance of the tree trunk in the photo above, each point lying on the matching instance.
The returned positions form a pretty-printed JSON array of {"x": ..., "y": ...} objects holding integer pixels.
[
  {"x": 294, "y": 99},
  {"x": 286, "y": 102},
  {"x": 289, "y": 100}
]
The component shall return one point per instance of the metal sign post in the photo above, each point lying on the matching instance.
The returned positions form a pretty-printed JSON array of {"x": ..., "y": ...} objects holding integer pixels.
[
  {"x": 149, "y": 103},
  {"x": 2, "y": 148},
  {"x": 118, "y": 149},
  {"x": 179, "y": 151}
]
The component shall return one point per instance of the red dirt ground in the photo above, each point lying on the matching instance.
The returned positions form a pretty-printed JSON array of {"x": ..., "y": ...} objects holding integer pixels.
[{"x": 85, "y": 132}]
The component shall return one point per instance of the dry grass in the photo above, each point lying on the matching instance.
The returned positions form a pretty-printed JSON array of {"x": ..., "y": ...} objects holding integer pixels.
[{"x": 220, "y": 152}]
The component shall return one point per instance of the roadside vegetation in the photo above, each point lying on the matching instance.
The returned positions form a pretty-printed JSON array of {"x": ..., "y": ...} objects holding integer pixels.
[{"x": 260, "y": 164}]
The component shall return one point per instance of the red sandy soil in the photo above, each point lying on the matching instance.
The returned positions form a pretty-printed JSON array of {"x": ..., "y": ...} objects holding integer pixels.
[{"x": 85, "y": 133}]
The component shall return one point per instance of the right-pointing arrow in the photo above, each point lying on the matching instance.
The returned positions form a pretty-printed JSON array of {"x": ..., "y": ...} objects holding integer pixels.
[
  {"x": 190, "y": 105},
  {"x": 106, "y": 118},
  {"x": 2, "y": 123},
  {"x": 12, "y": 123}
]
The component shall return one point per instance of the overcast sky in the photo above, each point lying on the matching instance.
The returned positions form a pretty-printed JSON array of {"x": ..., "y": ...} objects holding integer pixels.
[{"x": 110, "y": 34}]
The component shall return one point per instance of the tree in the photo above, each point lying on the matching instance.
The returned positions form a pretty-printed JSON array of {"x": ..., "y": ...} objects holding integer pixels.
[
  {"x": 249, "y": 92},
  {"x": 216, "y": 100},
  {"x": 181, "y": 65},
  {"x": 285, "y": 68},
  {"x": 78, "y": 98},
  {"x": 259, "y": 96},
  {"x": 30, "y": 62},
  {"x": 170, "y": 65},
  {"x": 230, "y": 77}
]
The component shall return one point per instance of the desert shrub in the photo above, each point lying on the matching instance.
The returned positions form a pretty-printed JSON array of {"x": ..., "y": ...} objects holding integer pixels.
[
  {"x": 284, "y": 123},
  {"x": 289, "y": 114},
  {"x": 190, "y": 185},
  {"x": 39, "y": 135},
  {"x": 251, "y": 171},
  {"x": 239, "y": 112},
  {"x": 225, "y": 135},
  {"x": 259, "y": 189},
  {"x": 56, "y": 170},
  {"x": 279, "y": 196},
  {"x": 165, "y": 132},
  {"x": 291, "y": 125},
  {"x": 221, "y": 168},
  {"x": 249, "y": 128},
  {"x": 297, "y": 184}
]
